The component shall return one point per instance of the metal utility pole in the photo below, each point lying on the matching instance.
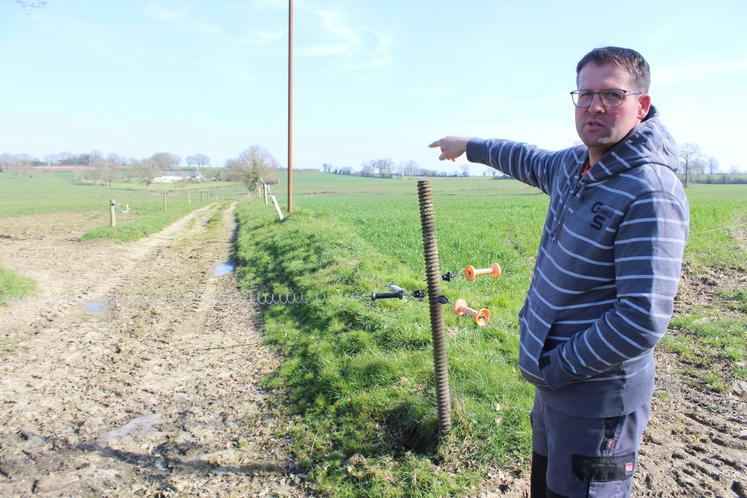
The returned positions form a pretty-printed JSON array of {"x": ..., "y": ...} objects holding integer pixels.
[{"x": 290, "y": 106}]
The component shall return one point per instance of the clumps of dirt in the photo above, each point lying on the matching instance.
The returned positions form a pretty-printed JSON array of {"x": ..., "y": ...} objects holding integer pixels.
[
  {"x": 702, "y": 289},
  {"x": 695, "y": 442},
  {"x": 155, "y": 390},
  {"x": 696, "y": 439}
]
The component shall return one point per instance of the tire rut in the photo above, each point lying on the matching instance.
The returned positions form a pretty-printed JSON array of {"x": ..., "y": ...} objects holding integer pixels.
[{"x": 155, "y": 391}]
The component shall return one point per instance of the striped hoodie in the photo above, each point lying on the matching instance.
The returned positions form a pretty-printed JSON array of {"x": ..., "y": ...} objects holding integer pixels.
[{"x": 607, "y": 269}]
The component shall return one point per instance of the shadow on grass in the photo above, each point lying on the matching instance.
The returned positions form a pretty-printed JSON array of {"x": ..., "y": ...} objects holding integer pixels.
[{"x": 341, "y": 368}]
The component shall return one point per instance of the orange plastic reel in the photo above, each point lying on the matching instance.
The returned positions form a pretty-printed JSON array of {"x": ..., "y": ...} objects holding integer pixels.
[
  {"x": 472, "y": 273},
  {"x": 481, "y": 317}
]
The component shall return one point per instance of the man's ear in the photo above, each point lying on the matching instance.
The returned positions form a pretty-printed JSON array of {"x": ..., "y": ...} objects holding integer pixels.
[{"x": 644, "y": 105}]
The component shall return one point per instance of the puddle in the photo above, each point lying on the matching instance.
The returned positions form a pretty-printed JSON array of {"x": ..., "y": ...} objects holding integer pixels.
[
  {"x": 223, "y": 269},
  {"x": 96, "y": 307},
  {"x": 136, "y": 426}
]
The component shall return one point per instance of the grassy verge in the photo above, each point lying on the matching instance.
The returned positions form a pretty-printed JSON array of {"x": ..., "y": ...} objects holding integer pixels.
[
  {"x": 147, "y": 220},
  {"x": 359, "y": 375},
  {"x": 13, "y": 286}
]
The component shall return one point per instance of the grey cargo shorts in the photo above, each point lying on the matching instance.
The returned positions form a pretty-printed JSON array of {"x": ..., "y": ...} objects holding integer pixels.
[{"x": 585, "y": 457}]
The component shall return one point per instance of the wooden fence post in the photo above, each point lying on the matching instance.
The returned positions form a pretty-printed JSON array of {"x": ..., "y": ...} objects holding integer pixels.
[
  {"x": 277, "y": 208},
  {"x": 112, "y": 213},
  {"x": 164, "y": 202}
]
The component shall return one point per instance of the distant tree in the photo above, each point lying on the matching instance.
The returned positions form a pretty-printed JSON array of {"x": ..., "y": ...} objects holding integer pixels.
[
  {"x": 165, "y": 160},
  {"x": 201, "y": 160},
  {"x": 50, "y": 159},
  {"x": 107, "y": 172},
  {"x": 18, "y": 164},
  {"x": 384, "y": 167},
  {"x": 114, "y": 158},
  {"x": 326, "y": 167},
  {"x": 149, "y": 171},
  {"x": 368, "y": 168},
  {"x": 197, "y": 160},
  {"x": 66, "y": 158},
  {"x": 465, "y": 170},
  {"x": 733, "y": 169},
  {"x": 346, "y": 170},
  {"x": 253, "y": 164},
  {"x": 712, "y": 165},
  {"x": 6, "y": 161},
  {"x": 409, "y": 168},
  {"x": 129, "y": 171},
  {"x": 94, "y": 156},
  {"x": 689, "y": 157},
  {"x": 397, "y": 170}
]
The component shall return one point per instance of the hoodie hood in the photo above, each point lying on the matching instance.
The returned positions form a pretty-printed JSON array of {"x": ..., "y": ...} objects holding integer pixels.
[{"x": 647, "y": 143}]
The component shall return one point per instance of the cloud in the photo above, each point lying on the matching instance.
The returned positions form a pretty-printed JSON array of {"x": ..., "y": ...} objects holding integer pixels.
[
  {"x": 346, "y": 40},
  {"x": 158, "y": 12},
  {"x": 369, "y": 47}
]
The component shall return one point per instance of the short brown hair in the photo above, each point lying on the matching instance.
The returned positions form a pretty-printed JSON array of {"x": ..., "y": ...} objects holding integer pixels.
[{"x": 629, "y": 59}]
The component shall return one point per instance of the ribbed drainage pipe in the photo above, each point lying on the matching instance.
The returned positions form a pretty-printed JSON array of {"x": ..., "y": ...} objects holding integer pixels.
[{"x": 430, "y": 249}]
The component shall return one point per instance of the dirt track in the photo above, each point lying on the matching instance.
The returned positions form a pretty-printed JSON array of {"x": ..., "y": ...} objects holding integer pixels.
[{"x": 134, "y": 370}]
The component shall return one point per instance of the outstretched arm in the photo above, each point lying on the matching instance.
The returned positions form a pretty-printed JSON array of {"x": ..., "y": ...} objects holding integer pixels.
[
  {"x": 524, "y": 162},
  {"x": 451, "y": 147}
]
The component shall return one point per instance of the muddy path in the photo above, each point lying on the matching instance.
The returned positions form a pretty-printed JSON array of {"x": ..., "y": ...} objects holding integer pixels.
[{"x": 135, "y": 369}]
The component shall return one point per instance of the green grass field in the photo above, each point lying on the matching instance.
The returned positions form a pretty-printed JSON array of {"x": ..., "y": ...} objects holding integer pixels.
[
  {"x": 58, "y": 193},
  {"x": 359, "y": 375}
]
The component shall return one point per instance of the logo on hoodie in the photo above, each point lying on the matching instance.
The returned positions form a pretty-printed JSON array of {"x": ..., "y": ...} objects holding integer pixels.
[{"x": 601, "y": 213}]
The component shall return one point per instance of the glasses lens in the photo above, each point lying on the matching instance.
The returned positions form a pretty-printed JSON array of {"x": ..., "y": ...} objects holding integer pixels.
[
  {"x": 612, "y": 98},
  {"x": 583, "y": 98}
]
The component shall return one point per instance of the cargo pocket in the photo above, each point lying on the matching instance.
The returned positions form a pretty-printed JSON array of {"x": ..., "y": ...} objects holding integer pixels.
[
  {"x": 612, "y": 430},
  {"x": 606, "y": 476}
]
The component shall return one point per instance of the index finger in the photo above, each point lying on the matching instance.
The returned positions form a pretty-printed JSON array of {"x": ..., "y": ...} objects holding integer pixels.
[{"x": 437, "y": 143}]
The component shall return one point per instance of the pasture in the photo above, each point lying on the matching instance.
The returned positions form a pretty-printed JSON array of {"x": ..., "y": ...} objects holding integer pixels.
[
  {"x": 360, "y": 374},
  {"x": 357, "y": 381},
  {"x": 139, "y": 211}
]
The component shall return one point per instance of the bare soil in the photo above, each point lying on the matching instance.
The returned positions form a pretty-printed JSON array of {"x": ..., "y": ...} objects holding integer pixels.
[
  {"x": 135, "y": 370},
  {"x": 695, "y": 444}
]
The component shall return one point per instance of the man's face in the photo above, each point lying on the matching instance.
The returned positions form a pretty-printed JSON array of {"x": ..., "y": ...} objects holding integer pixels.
[{"x": 601, "y": 127}]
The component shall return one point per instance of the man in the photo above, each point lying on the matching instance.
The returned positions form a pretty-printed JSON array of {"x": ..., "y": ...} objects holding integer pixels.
[{"x": 606, "y": 275}]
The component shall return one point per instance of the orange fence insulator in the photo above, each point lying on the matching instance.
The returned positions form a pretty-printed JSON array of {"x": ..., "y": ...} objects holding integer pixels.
[
  {"x": 481, "y": 317},
  {"x": 472, "y": 273}
]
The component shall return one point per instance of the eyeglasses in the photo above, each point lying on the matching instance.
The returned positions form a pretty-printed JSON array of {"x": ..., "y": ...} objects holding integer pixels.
[{"x": 609, "y": 98}]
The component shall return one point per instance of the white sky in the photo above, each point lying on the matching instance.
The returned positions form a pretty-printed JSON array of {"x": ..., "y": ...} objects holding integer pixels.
[{"x": 372, "y": 79}]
